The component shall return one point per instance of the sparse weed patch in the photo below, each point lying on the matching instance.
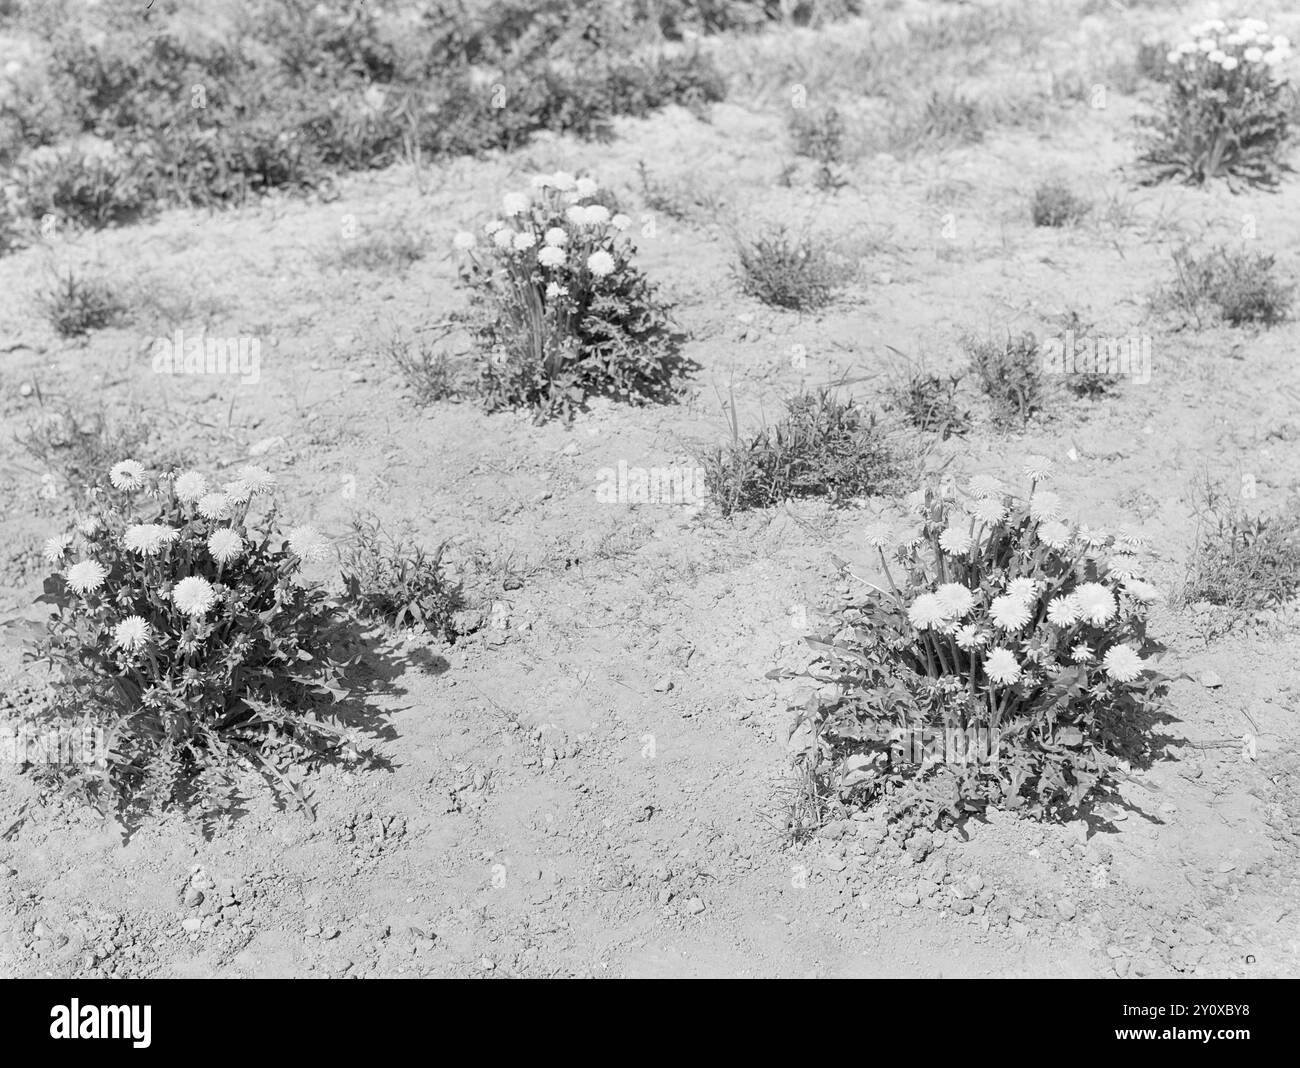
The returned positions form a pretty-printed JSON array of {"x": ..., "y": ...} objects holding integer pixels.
[
  {"x": 796, "y": 272},
  {"x": 1010, "y": 372},
  {"x": 929, "y": 402},
  {"x": 1056, "y": 204},
  {"x": 1244, "y": 562},
  {"x": 945, "y": 118},
  {"x": 397, "y": 580},
  {"x": 823, "y": 446},
  {"x": 379, "y": 250},
  {"x": 1240, "y": 287},
  {"x": 93, "y": 189},
  {"x": 819, "y": 134},
  {"x": 430, "y": 371},
  {"x": 75, "y": 304},
  {"x": 1007, "y": 664}
]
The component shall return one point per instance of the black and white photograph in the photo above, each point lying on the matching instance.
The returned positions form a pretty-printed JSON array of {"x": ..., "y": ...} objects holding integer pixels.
[{"x": 650, "y": 489}]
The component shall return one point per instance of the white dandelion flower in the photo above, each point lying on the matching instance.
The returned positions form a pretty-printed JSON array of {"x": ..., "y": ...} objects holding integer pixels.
[
  {"x": 600, "y": 263},
  {"x": 969, "y": 637},
  {"x": 595, "y": 215},
  {"x": 877, "y": 535},
  {"x": 225, "y": 545},
  {"x": 1045, "y": 505},
  {"x": 1122, "y": 663},
  {"x": 557, "y": 236},
  {"x": 1141, "y": 591},
  {"x": 1096, "y": 603},
  {"x": 551, "y": 256},
  {"x": 86, "y": 576},
  {"x": 586, "y": 187},
  {"x": 987, "y": 510},
  {"x": 1228, "y": 63},
  {"x": 308, "y": 544},
  {"x": 1122, "y": 566},
  {"x": 1253, "y": 54},
  {"x": 554, "y": 289},
  {"x": 955, "y": 540},
  {"x": 926, "y": 612},
  {"x": 514, "y": 204},
  {"x": 56, "y": 548},
  {"x": 492, "y": 226},
  {"x": 132, "y": 634},
  {"x": 148, "y": 539},
  {"x": 190, "y": 486},
  {"x": 1063, "y": 611},
  {"x": 1037, "y": 468},
  {"x": 1054, "y": 534},
  {"x": 1001, "y": 667},
  {"x": 214, "y": 506},
  {"x": 955, "y": 599},
  {"x": 1009, "y": 612},
  {"x": 984, "y": 486},
  {"x": 194, "y": 595},
  {"x": 257, "y": 479},
  {"x": 464, "y": 241},
  {"x": 1081, "y": 654},
  {"x": 620, "y": 222},
  {"x": 1025, "y": 589},
  {"x": 127, "y": 475},
  {"x": 90, "y": 526},
  {"x": 563, "y": 181},
  {"x": 1093, "y": 539},
  {"x": 524, "y": 241},
  {"x": 576, "y": 214},
  {"x": 504, "y": 238}
]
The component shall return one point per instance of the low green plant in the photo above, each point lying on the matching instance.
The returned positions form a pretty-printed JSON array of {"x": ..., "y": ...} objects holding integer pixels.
[
  {"x": 819, "y": 134},
  {"x": 93, "y": 189},
  {"x": 561, "y": 307},
  {"x": 75, "y": 304},
  {"x": 1010, "y": 373},
  {"x": 1245, "y": 562},
  {"x": 1005, "y": 663},
  {"x": 397, "y": 580},
  {"x": 1227, "y": 112},
  {"x": 796, "y": 272},
  {"x": 1238, "y": 286},
  {"x": 1056, "y": 204},
  {"x": 824, "y": 446},
  {"x": 929, "y": 403}
]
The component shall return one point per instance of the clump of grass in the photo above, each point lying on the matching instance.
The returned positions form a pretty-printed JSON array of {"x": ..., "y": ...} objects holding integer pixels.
[
  {"x": 1245, "y": 563},
  {"x": 1238, "y": 286},
  {"x": 685, "y": 200},
  {"x": 93, "y": 189},
  {"x": 1056, "y": 204},
  {"x": 824, "y": 446},
  {"x": 398, "y": 581},
  {"x": 430, "y": 371},
  {"x": 819, "y": 135},
  {"x": 787, "y": 271},
  {"x": 945, "y": 118},
  {"x": 1010, "y": 373},
  {"x": 929, "y": 403},
  {"x": 379, "y": 250},
  {"x": 81, "y": 446},
  {"x": 76, "y": 304}
]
